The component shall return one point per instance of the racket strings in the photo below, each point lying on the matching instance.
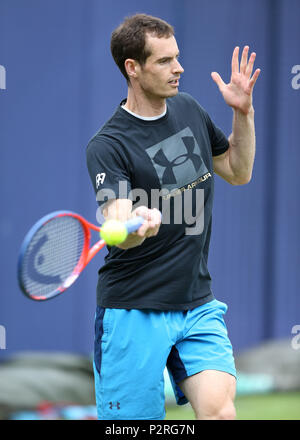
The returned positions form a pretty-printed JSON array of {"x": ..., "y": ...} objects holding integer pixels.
[{"x": 52, "y": 255}]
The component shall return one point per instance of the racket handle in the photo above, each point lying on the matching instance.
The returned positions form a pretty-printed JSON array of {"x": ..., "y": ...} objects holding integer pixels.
[{"x": 133, "y": 224}]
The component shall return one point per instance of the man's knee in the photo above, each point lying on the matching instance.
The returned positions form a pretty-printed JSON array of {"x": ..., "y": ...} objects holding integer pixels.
[
  {"x": 215, "y": 412},
  {"x": 228, "y": 412}
]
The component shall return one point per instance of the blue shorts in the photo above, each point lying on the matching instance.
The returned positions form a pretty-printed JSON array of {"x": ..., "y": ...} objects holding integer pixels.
[{"x": 133, "y": 347}]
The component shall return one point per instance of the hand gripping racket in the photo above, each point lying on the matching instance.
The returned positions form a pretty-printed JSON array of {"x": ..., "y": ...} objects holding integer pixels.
[{"x": 56, "y": 250}]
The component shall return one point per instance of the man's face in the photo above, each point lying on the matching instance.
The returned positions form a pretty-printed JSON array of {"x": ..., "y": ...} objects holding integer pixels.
[{"x": 159, "y": 76}]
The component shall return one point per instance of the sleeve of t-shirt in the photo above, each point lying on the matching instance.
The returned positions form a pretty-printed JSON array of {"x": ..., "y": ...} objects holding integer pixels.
[
  {"x": 108, "y": 170},
  {"x": 219, "y": 142}
]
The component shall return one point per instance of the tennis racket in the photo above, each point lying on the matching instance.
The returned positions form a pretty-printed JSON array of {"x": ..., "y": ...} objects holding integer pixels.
[{"x": 56, "y": 250}]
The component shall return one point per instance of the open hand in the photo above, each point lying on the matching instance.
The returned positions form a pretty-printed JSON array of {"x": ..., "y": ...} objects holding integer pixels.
[{"x": 238, "y": 93}]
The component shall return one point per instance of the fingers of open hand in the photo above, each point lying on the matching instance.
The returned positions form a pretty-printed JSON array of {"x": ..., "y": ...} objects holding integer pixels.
[
  {"x": 235, "y": 60},
  {"x": 254, "y": 78},
  {"x": 246, "y": 66},
  {"x": 244, "y": 59},
  {"x": 218, "y": 80},
  {"x": 249, "y": 68},
  {"x": 242, "y": 73}
]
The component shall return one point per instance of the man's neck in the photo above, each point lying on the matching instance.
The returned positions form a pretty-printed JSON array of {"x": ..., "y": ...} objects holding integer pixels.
[{"x": 144, "y": 106}]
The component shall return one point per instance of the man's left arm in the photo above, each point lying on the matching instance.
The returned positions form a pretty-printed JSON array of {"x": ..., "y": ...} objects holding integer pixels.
[{"x": 236, "y": 164}]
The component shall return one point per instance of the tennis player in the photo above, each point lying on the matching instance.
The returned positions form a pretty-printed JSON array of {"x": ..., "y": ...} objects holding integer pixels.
[{"x": 155, "y": 305}]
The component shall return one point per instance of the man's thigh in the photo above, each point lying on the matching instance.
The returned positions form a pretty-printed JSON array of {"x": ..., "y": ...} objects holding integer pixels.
[
  {"x": 211, "y": 394},
  {"x": 205, "y": 346}
]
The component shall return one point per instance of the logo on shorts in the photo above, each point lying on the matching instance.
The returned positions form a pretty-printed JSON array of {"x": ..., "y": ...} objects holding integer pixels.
[
  {"x": 177, "y": 159},
  {"x": 114, "y": 405}
]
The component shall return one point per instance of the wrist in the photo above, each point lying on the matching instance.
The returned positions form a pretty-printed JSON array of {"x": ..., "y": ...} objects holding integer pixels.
[
  {"x": 243, "y": 112},
  {"x": 133, "y": 240}
]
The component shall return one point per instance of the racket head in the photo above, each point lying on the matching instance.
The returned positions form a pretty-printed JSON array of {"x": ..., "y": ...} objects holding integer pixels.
[{"x": 53, "y": 254}]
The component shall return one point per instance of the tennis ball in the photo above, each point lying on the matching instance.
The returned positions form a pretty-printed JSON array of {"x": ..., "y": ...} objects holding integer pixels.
[{"x": 113, "y": 232}]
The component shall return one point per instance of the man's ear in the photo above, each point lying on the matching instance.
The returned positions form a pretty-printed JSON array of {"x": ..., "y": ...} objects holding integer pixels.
[{"x": 132, "y": 68}]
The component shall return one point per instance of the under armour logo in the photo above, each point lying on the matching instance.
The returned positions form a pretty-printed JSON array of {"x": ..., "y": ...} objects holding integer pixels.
[
  {"x": 161, "y": 159},
  {"x": 177, "y": 159},
  {"x": 114, "y": 405}
]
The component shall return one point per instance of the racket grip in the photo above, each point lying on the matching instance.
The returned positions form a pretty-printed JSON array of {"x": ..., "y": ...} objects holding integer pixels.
[{"x": 133, "y": 224}]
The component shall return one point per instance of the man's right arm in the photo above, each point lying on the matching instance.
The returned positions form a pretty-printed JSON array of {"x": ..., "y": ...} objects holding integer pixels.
[{"x": 121, "y": 209}]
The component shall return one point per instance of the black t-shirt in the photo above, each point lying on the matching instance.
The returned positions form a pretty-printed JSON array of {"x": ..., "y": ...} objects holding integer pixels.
[{"x": 134, "y": 158}]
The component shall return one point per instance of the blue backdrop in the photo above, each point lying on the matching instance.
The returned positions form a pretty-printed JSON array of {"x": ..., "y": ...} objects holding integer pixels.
[{"x": 61, "y": 85}]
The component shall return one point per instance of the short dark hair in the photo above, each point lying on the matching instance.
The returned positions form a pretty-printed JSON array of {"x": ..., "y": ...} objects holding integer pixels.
[{"x": 129, "y": 39}]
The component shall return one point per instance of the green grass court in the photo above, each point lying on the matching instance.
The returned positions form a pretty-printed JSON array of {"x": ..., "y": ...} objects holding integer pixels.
[{"x": 274, "y": 406}]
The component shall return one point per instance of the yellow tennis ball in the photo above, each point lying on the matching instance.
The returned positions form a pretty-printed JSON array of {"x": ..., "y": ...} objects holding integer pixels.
[{"x": 113, "y": 232}]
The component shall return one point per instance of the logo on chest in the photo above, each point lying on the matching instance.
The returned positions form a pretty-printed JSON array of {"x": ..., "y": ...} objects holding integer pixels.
[{"x": 177, "y": 159}]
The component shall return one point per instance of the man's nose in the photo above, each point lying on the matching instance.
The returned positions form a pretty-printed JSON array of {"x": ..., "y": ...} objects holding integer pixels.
[{"x": 178, "y": 67}]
